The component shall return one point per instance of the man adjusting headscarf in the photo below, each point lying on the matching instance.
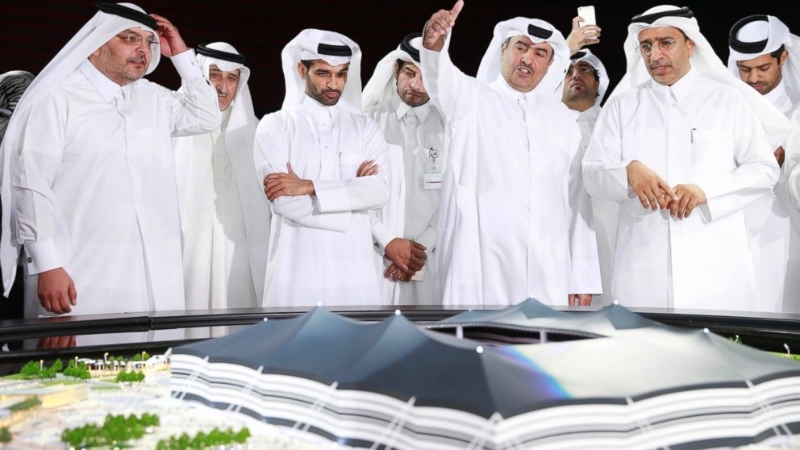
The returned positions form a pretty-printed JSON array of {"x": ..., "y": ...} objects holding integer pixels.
[{"x": 88, "y": 172}]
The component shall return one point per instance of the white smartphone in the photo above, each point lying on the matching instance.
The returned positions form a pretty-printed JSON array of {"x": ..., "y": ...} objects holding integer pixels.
[{"x": 587, "y": 14}]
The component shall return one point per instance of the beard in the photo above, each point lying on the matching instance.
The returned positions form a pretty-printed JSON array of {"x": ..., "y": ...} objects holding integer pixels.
[
  {"x": 322, "y": 95},
  {"x": 413, "y": 97},
  {"x": 580, "y": 94}
]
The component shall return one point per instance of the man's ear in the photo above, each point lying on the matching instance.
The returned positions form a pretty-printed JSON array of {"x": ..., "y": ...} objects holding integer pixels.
[
  {"x": 503, "y": 48},
  {"x": 302, "y": 69},
  {"x": 396, "y": 71},
  {"x": 96, "y": 53},
  {"x": 784, "y": 55}
]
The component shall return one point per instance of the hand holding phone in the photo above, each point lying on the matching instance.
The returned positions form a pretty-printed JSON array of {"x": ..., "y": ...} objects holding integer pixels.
[
  {"x": 584, "y": 30},
  {"x": 587, "y": 14}
]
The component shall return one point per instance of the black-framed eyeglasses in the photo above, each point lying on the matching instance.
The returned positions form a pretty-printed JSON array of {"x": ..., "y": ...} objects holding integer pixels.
[{"x": 664, "y": 45}]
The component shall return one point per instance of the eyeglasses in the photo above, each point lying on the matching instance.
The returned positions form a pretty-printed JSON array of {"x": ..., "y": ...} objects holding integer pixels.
[
  {"x": 664, "y": 45},
  {"x": 136, "y": 39},
  {"x": 583, "y": 70}
]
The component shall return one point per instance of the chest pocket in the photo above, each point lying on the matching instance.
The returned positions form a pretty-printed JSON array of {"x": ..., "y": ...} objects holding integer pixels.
[
  {"x": 348, "y": 164},
  {"x": 712, "y": 150},
  {"x": 153, "y": 147}
]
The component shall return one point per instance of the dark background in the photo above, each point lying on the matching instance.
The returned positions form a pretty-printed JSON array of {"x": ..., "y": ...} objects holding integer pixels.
[{"x": 34, "y": 30}]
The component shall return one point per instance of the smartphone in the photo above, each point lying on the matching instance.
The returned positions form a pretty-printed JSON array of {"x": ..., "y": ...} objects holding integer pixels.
[{"x": 587, "y": 14}]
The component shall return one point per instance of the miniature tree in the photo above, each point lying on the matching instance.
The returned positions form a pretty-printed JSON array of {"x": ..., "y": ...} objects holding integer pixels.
[
  {"x": 30, "y": 370},
  {"x": 57, "y": 366},
  {"x": 130, "y": 377},
  {"x": 241, "y": 436},
  {"x": 49, "y": 373},
  {"x": 5, "y": 435}
]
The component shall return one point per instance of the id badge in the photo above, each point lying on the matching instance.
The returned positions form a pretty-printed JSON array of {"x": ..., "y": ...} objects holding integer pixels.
[
  {"x": 432, "y": 181},
  {"x": 420, "y": 275}
]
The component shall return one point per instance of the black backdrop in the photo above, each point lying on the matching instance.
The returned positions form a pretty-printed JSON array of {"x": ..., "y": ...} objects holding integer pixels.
[{"x": 34, "y": 30}]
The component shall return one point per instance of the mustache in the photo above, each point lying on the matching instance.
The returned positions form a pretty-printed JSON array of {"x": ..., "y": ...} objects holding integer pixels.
[
  {"x": 577, "y": 82},
  {"x": 412, "y": 91},
  {"x": 326, "y": 91},
  {"x": 523, "y": 66},
  {"x": 656, "y": 64}
]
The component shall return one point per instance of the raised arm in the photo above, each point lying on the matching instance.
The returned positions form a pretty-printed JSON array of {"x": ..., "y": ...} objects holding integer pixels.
[
  {"x": 196, "y": 109},
  {"x": 451, "y": 89},
  {"x": 439, "y": 25}
]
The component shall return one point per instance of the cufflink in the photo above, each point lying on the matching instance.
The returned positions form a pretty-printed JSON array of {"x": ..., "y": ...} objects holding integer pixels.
[{"x": 30, "y": 259}]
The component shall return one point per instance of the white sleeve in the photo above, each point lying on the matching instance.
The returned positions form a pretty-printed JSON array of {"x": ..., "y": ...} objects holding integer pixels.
[
  {"x": 584, "y": 259},
  {"x": 756, "y": 173},
  {"x": 195, "y": 109},
  {"x": 360, "y": 193},
  {"x": 605, "y": 173},
  {"x": 40, "y": 151},
  {"x": 452, "y": 90},
  {"x": 791, "y": 165},
  {"x": 271, "y": 155}
]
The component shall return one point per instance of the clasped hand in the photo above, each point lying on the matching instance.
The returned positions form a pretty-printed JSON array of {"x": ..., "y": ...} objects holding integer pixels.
[{"x": 654, "y": 193}]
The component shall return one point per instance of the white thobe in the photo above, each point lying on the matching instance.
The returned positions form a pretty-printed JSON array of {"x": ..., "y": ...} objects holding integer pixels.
[
  {"x": 785, "y": 101},
  {"x": 320, "y": 249},
  {"x": 216, "y": 257},
  {"x": 604, "y": 214},
  {"x": 791, "y": 192},
  {"x": 697, "y": 131},
  {"x": 777, "y": 245},
  {"x": 95, "y": 187},
  {"x": 513, "y": 218},
  {"x": 418, "y": 133}
]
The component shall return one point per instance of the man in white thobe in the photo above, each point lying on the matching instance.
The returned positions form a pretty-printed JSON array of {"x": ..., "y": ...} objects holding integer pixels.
[
  {"x": 88, "y": 155},
  {"x": 514, "y": 219},
  {"x": 405, "y": 229},
  {"x": 680, "y": 146},
  {"x": 311, "y": 153},
  {"x": 225, "y": 215},
  {"x": 767, "y": 57},
  {"x": 585, "y": 87}
]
